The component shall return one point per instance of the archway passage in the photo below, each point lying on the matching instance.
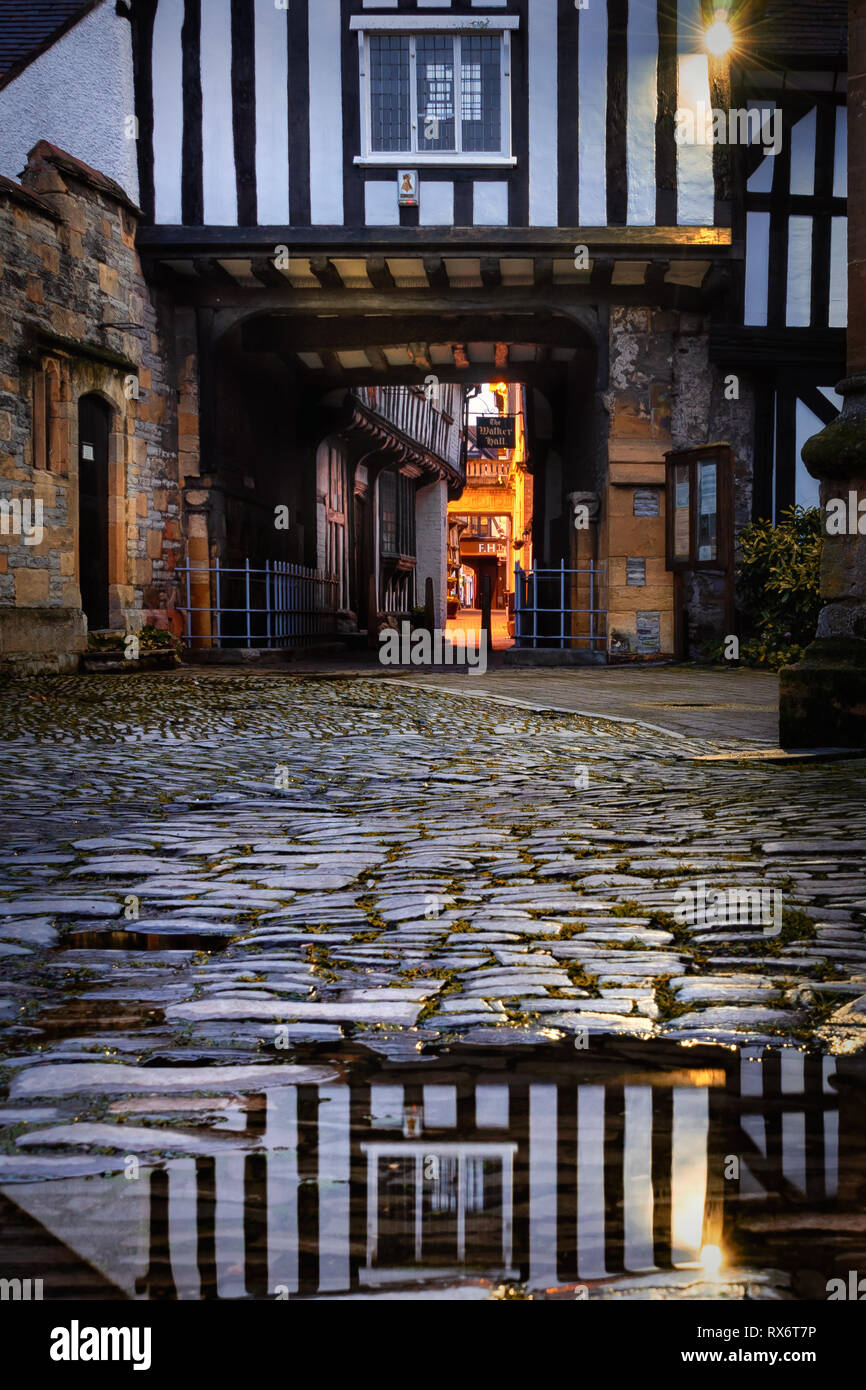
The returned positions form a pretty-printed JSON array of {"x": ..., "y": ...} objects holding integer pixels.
[
  {"x": 339, "y": 447},
  {"x": 94, "y": 423}
]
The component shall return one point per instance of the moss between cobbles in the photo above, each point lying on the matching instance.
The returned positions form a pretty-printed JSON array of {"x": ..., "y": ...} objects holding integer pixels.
[
  {"x": 367, "y": 906},
  {"x": 453, "y": 985},
  {"x": 666, "y": 1001},
  {"x": 320, "y": 959},
  {"x": 629, "y": 908},
  {"x": 825, "y": 970},
  {"x": 796, "y": 926},
  {"x": 581, "y": 979}
]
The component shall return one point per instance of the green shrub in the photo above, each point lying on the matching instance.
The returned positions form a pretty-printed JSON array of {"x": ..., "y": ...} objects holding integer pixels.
[
  {"x": 778, "y": 587},
  {"x": 158, "y": 637}
]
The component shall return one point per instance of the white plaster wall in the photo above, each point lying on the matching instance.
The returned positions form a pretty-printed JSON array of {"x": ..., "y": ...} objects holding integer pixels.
[
  {"x": 77, "y": 95},
  {"x": 431, "y": 531},
  {"x": 543, "y": 165},
  {"x": 326, "y": 115}
]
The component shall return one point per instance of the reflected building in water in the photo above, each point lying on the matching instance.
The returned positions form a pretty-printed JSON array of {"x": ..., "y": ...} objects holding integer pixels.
[{"x": 544, "y": 1172}]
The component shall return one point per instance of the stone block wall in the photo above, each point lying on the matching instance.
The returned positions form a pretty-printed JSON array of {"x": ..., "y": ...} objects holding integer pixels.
[
  {"x": 664, "y": 394},
  {"x": 76, "y": 317}
]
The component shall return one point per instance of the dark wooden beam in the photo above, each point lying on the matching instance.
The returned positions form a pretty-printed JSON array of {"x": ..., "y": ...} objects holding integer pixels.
[
  {"x": 718, "y": 281},
  {"x": 760, "y": 347},
  {"x": 210, "y": 269},
  {"x": 420, "y": 354},
  {"x": 437, "y": 275},
  {"x": 266, "y": 272},
  {"x": 600, "y": 275},
  {"x": 543, "y": 271},
  {"x": 817, "y": 403},
  {"x": 275, "y": 332},
  {"x": 491, "y": 272},
  {"x": 528, "y": 373},
  {"x": 177, "y": 241},
  {"x": 378, "y": 360},
  {"x": 327, "y": 274},
  {"x": 378, "y": 273},
  {"x": 655, "y": 274}
]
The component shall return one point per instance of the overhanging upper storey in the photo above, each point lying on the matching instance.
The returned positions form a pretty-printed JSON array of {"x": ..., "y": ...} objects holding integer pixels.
[{"x": 343, "y": 114}]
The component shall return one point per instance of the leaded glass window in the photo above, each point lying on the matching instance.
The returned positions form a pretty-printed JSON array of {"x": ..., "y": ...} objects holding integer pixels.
[
  {"x": 437, "y": 92},
  {"x": 390, "y": 108}
]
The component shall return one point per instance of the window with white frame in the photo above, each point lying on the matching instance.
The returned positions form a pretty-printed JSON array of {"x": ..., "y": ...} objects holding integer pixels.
[{"x": 437, "y": 96}]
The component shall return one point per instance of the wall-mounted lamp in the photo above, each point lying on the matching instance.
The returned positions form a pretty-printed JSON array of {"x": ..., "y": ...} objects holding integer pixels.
[{"x": 718, "y": 37}]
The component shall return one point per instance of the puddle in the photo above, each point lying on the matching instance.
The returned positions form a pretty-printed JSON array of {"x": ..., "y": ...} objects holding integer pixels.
[
  {"x": 79, "y": 1015},
  {"x": 700, "y": 1171},
  {"x": 144, "y": 941}
]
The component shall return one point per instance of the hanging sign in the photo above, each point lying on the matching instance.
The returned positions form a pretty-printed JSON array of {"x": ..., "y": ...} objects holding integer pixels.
[{"x": 494, "y": 432}]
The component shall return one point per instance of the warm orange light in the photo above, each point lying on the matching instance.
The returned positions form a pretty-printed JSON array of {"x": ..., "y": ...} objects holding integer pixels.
[
  {"x": 711, "y": 1260},
  {"x": 719, "y": 39}
]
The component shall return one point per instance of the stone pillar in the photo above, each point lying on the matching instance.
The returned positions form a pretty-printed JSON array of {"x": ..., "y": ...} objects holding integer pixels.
[
  {"x": 823, "y": 697},
  {"x": 431, "y": 541}
]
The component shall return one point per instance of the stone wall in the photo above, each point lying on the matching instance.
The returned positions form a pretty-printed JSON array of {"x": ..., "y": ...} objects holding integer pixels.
[
  {"x": 701, "y": 413},
  {"x": 76, "y": 317},
  {"x": 664, "y": 394}
]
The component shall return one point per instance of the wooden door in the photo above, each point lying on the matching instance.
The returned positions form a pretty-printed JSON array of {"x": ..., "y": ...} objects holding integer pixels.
[{"x": 94, "y": 421}]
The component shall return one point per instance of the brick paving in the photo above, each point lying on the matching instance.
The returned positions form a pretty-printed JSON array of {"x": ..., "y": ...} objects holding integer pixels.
[{"x": 313, "y": 859}]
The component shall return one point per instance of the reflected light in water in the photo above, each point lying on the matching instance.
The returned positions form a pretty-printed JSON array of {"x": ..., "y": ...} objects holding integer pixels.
[{"x": 711, "y": 1260}]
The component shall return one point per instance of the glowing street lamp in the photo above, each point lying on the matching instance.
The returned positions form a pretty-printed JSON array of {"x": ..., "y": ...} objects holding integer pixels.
[{"x": 719, "y": 38}]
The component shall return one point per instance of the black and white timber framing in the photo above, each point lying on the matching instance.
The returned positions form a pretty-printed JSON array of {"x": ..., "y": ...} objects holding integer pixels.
[
  {"x": 278, "y": 97},
  {"x": 255, "y": 133}
]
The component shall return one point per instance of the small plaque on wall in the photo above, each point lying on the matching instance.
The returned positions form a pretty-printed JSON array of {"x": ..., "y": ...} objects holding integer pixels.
[
  {"x": 407, "y": 188},
  {"x": 646, "y": 501},
  {"x": 635, "y": 571},
  {"x": 648, "y": 632}
]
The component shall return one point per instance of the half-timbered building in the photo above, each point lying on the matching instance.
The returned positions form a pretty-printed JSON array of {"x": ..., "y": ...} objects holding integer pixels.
[{"x": 644, "y": 227}]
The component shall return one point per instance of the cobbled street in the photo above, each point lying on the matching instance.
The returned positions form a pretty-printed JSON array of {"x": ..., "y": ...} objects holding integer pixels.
[
  {"x": 317, "y": 859},
  {"x": 225, "y": 892}
]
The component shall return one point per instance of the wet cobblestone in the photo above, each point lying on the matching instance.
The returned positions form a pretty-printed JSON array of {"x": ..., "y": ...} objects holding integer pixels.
[{"x": 408, "y": 867}]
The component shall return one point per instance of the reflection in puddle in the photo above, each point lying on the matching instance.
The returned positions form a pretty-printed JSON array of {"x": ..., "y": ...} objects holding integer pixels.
[
  {"x": 132, "y": 940},
  {"x": 548, "y": 1171}
]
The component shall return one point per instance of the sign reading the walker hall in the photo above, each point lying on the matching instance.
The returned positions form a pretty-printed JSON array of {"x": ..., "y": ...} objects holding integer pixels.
[{"x": 494, "y": 432}]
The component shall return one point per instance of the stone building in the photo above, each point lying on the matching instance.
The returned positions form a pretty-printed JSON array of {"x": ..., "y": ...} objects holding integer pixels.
[
  {"x": 89, "y": 424},
  {"x": 337, "y": 196}
]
